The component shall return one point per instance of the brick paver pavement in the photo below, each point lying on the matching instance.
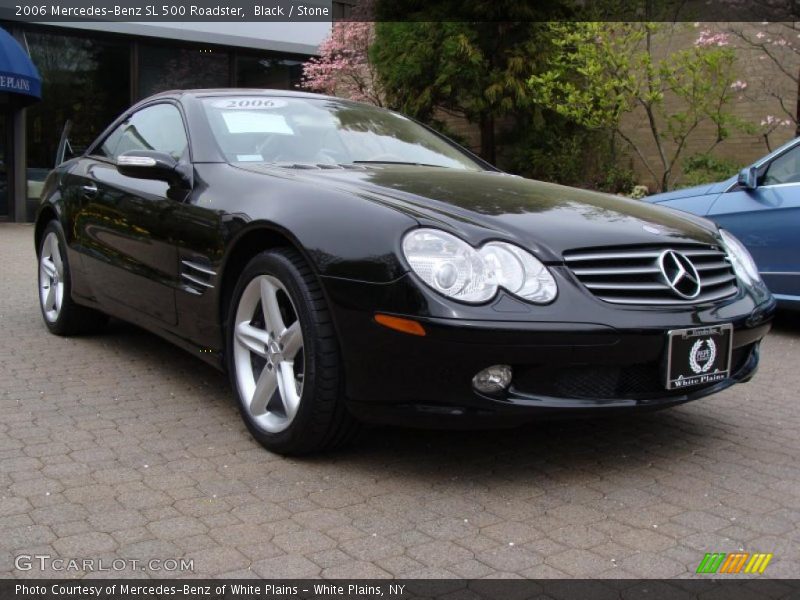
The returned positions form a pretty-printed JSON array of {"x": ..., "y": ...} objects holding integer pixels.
[{"x": 122, "y": 446}]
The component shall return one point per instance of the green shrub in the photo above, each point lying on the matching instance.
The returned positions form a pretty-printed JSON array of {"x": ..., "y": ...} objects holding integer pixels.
[
  {"x": 616, "y": 180},
  {"x": 706, "y": 168},
  {"x": 549, "y": 147}
]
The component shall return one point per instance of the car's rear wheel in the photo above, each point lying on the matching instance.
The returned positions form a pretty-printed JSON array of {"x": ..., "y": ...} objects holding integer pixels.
[
  {"x": 61, "y": 314},
  {"x": 283, "y": 357}
]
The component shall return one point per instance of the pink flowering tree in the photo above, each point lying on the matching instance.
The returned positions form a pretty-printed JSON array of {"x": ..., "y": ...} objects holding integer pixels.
[
  {"x": 778, "y": 46},
  {"x": 770, "y": 124},
  {"x": 343, "y": 67},
  {"x": 709, "y": 38}
]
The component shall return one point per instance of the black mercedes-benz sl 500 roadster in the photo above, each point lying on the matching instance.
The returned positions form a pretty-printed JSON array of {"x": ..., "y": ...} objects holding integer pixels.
[{"x": 345, "y": 263}]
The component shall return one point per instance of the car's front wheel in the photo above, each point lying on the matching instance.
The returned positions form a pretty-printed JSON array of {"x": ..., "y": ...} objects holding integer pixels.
[
  {"x": 283, "y": 357},
  {"x": 61, "y": 314}
]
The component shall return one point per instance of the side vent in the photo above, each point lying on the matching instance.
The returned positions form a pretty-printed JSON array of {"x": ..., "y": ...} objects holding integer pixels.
[{"x": 196, "y": 278}]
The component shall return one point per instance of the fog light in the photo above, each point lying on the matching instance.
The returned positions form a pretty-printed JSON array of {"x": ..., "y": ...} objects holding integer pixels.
[{"x": 492, "y": 380}]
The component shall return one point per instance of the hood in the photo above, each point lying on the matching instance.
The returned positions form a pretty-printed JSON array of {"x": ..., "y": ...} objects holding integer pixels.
[
  {"x": 482, "y": 205},
  {"x": 690, "y": 192}
]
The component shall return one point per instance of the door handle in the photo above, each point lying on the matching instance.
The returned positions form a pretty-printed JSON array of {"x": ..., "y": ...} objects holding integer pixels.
[{"x": 89, "y": 190}]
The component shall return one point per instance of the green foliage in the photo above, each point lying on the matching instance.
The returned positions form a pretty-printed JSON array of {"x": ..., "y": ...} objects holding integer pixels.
[
  {"x": 478, "y": 70},
  {"x": 471, "y": 68},
  {"x": 706, "y": 168},
  {"x": 553, "y": 148},
  {"x": 596, "y": 72},
  {"x": 616, "y": 180},
  {"x": 590, "y": 75},
  {"x": 424, "y": 65}
]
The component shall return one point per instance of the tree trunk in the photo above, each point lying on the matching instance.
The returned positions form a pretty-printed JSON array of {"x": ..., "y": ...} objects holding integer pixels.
[
  {"x": 797, "y": 110},
  {"x": 487, "y": 138},
  {"x": 651, "y": 119},
  {"x": 665, "y": 182}
]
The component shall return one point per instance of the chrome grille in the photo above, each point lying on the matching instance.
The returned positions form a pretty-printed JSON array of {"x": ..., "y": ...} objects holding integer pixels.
[{"x": 632, "y": 275}]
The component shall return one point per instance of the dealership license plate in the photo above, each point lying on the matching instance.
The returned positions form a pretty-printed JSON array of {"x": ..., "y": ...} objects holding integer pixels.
[{"x": 698, "y": 356}]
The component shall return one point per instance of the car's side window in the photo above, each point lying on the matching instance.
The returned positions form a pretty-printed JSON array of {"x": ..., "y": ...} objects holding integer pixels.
[
  {"x": 107, "y": 148},
  {"x": 158, "y": 127},
  {"x": 784, "y": 169}
]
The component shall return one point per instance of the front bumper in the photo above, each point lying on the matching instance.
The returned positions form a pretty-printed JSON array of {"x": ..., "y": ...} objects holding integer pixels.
[{"x": 561, "y": 367}]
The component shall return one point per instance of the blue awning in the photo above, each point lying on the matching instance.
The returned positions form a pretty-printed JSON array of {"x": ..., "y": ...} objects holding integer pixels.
[{"x": 18, "y": 75}]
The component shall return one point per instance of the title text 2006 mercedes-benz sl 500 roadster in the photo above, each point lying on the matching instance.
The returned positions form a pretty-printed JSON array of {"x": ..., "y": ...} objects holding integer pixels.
[{"x": 345, "y": 263}]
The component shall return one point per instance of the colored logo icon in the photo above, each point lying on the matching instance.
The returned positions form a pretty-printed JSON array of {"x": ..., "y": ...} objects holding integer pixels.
[{"x": 735, "y": 562}]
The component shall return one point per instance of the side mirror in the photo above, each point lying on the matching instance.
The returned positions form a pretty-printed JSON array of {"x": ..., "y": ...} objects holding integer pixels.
[
  {"x": 748, "y": 178},
  {"x": 148, "y": 164}
]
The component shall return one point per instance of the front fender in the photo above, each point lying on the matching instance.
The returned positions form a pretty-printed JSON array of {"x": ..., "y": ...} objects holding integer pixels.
[{"x": 342, "y": 233}]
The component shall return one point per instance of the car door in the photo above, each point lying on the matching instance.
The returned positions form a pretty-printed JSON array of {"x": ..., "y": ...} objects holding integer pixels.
[
  {"x": 124, "y": 225},
  {"x": 767, "y": 220}
]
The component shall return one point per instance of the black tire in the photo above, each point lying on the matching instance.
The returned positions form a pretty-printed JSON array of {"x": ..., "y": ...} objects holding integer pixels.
[
  {"x": 322, "y": 421},
  {"x": 70, "y": 318}
]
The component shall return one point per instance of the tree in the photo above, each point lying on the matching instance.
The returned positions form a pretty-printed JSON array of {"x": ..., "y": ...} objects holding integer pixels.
[
  {"x": 343, "y": 67},
  {"x": 775, "y": 44},
  {"x": 770, "y": 124},
  {"x": 599, "y": 71},
  {"x": 477, "y": 69}
]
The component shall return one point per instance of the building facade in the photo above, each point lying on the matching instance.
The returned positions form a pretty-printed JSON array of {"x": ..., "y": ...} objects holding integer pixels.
[{"x": 91, "y": 72}]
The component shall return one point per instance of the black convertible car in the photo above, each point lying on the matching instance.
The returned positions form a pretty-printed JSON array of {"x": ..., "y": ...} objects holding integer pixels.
[{"x": 345, "y": 263}]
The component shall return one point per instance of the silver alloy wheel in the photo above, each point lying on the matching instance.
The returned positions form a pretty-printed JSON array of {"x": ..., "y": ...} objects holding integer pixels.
[
  {"x": 51, "y": 278},
  {"x": 268, "y": 353}
]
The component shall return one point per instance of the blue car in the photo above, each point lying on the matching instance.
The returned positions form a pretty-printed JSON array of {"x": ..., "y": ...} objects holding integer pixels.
[{"x": 760, "y": 206}]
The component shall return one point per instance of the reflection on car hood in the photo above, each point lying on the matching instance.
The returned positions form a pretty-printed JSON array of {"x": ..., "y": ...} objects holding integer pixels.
[{"x": 544, "y": 217}]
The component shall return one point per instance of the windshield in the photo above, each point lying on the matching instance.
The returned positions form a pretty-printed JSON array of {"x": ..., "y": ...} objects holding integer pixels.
[{"x": 324, "y": 132}]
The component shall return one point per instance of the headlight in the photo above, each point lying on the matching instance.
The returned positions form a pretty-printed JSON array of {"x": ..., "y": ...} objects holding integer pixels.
[
  {"x": 454, "y": 268},
  {"x": 743, "y": 264}
]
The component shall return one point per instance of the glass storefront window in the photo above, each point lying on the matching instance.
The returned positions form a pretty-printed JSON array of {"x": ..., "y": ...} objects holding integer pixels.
[
  {"x": 266, "y": 71},
  {"x": 85, "y": 80},
  {"x": 90, "y": 77},
  {"x": 169, "y": 68}
]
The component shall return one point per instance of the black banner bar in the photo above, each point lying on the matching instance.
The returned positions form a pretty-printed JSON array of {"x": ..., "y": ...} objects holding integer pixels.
[
  {"x": 744, "y": 588},
  {"x": 165, "y": 11},
  {"x": 55, "y": 11}
]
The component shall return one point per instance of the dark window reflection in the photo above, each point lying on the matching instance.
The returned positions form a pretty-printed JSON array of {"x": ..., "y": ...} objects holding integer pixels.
[
  {"x": 164, "y": 68},
  {"x": 271, "y": 72},
  {"x": 85, "y": 80}
]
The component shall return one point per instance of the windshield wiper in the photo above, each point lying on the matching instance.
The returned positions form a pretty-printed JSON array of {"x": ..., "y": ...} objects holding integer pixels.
[{"x": 396, "y": 162}]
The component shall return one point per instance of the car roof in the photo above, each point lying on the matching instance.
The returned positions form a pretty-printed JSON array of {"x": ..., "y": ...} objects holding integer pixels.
[{"x": 202, "y": 92}]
